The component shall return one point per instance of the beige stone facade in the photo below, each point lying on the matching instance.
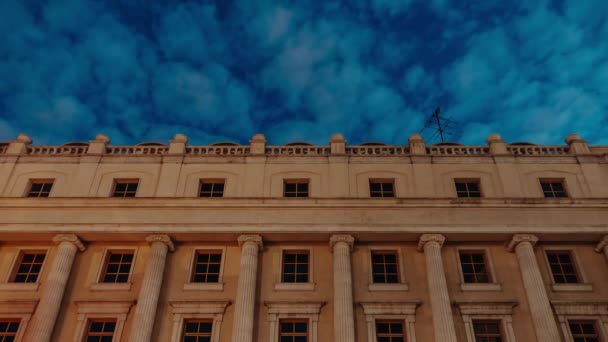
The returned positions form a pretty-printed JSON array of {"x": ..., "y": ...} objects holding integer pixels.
[{"x": 533, "y": 225}]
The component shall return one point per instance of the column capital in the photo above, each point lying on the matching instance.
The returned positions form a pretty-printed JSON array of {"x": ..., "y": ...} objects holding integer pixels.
[
  {"x": 165, "y": 239},
  {"x": 348, "y": 239},
  {"x": 250, "y": 238},
  {"x": 602, "y": 244},
  {"x": 519, "y": 238},
  {"x": 71, "y": 238},
  {"x": 426, "y": 238}
]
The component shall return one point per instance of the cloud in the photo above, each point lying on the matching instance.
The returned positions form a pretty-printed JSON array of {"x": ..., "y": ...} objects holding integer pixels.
[{"x": 370, "y": 69}]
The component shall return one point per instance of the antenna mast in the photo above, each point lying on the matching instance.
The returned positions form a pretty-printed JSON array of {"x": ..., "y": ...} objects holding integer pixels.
[{"x": 444, "y": 126}]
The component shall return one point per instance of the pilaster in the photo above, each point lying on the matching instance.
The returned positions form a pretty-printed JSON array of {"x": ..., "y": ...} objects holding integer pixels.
[
  {"x": 244, "y": 311},
  {"x": 344, "y": 315}
]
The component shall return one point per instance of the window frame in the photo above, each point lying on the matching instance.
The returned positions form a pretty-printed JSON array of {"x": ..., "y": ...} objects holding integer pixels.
[
  {"x": 9, "y": 285},
  {"x": 488, "y": 311},
  {"x": 404, "y": 311},
  {"x": 33, "y": 181},
  {"x": 88, "y": 310},
  {"x": 297, "y": 181},
  {"x": 21, "y": 310},
  {"x": 219, "y": 286},
  {"x": 468, "y": 180},
  {"x": 295, "y": 320},
  {"x": 117, "y": 181},
  {"x": 498, "y": 322},
  {"x": 582, "y": 285},
  {"x": 581, "y": 311},
  {"x": 284, "y": 253},
  {"x": 99, "y": 285},
  {"x": 553, "y": 180},
  {"x": 493, "y": 285},
  {"x": 203, "y": 310},
  {"x": 91, "y": 320},
  {"x": 382, "y": 181},
  {"x": 199, "y": 321},
  {"x": 391, "y": 321},
  {"x": 597, "y": 327},
  {"x": 211, "y": 181},
  {"x": 402, "y": 285},
  {"x": 308, "y": 286},
  {"x": 308, "y": 310}
]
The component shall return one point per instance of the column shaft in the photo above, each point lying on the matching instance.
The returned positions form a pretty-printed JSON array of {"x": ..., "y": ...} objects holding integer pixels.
[
  {"x": 244, "y": 310},
  {"x": 443, "y": 320},
  {"x": 542, "y": 315},
  {"x": 40, "y": 328},
  {"x": 147, "y": 301},
  {"x": 344, "y": 316}
]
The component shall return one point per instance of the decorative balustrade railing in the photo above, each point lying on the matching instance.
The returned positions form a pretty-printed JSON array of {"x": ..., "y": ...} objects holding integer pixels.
[
  {"x": 457, "y": 150},
  {"x": 537, "y": 150},
  {"x": 218, "y": 150},
  {"x": 298, "y": 150},
  {"x": 122, "y": 150},
  {"x": 54, "y": 150},
  {"x": 383, "y": 150}
]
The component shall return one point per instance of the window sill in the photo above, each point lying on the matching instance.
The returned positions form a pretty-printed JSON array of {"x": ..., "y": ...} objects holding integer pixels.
[
  {"x": 294, "y": 286},
  {"x": 572, "y": 287},
  {"x": 388, "y": 287},
  {"x": 204, "y": 287},
  {"x": 111, "y": 287},
  {"x": 480, "y": 287},
  {"x": 19, "y": 286}
]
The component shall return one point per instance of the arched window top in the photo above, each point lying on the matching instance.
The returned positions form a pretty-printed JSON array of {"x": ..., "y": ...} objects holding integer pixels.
[{"x": 298, "y": 143}]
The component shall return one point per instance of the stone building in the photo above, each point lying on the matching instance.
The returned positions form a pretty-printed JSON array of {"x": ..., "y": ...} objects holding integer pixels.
[{"x": 344, "y": 243}]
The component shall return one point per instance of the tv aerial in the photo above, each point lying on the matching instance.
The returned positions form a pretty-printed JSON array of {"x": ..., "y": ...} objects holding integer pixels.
[{"x": 442, "y": 127}]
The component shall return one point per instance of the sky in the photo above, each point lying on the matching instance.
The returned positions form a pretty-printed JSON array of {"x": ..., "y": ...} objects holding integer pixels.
[{"x": 373, "y": 70}]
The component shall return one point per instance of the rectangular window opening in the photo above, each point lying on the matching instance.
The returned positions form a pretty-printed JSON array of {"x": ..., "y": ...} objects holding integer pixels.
[
  {"x": 487, "y": 331},
  {"x": 9, "y": 329},
  {"x": 295, "y": 188},
  {"x": 474, "y": 267},
  {"x": 390, "y": 331},
  {"x": 100, "y": 330},
  {"x": 206, "y": 268},
  {"x": 28, "y": 266},
  {"x": 468, "y": 188},
  {"x": 198, "y": 330},
  {"x": 562, "y": 267},
  {"x": 211, "y": 188},
  {"x": 117, "y": 267},
  {"x": 385, "y": 267},
  {"x": 125, "y": 187},
  {"x": 295, "y": 266},
  {"x": 584, "y": 331},
  {"x": 553, "y": 188},
  {"x": 40, "y": 187},
  {"x": 382, "y": 188},
  {"x": 293, "y": 330}
]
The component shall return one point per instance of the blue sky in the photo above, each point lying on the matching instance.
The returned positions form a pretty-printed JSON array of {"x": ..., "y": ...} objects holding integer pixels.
[{"x": 373, "y": 70}]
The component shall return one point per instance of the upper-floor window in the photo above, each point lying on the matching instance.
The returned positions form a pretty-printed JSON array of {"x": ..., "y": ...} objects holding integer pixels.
[
  {"x": 197, "y": 330},
  {"x": 211, "y": 188},
  {"x": 9, "y": 329},
  {"x": 28, "y": 267},
  {"x": 468, "y": 188},
  {"x": 207, "y": 266},
  {"x": 125, "y": 187},
  {"x": 385, "y": 267},
  {"x": 474, "y": 266},
  {"x": 382, "y": 187},
  {"x": 553, "y": 188},
  {"x": 295, "y": 187},
  {"x": 117, "y": 266},
  {"x": 390, "y": 331},
  {"x": 100, "y": 330},
  {"x": 293, "y": 330},
  {"x": 562, "y": 267},
  {"x": 40, "y": 187},
  {"x": 584, "y": 331},
  {"x": 295, "y": 266},
  {"x": 486, "y": 331}
]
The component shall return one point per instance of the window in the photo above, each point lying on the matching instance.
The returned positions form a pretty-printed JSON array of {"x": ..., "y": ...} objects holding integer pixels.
[
  {"x": 385, "y": 267},
  {"x": 467, "y": 188},
  {"x": 474, "y": 269},
  {"x": 382, "y": 188},
  {"x": 117, "y": 267},
  {"x": 295, "y": 267},
  {"x": 125, "y": 187},
  {"x": 293, "y": 330},
  {"x": 40, "y": 187},
  {"x": 390, "y": 331},
  {"x": 211, "y": 188},
  {"x": 196, "y": 330},
  {"x": 553, "y": 188},
  {"x": 100, "y": 330},
  {"x": 295, "y": 188},
  {"x": 584, "y": 331},
  {"x": 207, "y": 266},
  {"x": 487, "y": 331},
  {"x": 28, "y": 267},
  {"x": 8, "y": 329},
  {"x": 562, "y": 267}
]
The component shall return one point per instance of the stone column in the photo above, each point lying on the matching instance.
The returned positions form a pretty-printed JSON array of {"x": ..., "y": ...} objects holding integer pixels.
[
  {"x": 40, "y": 328},
  {"x": 344, "y": 315},
  {"x": 443, "y": 320},
  {"x": 147, "y": 301},
  {"x": 538, "y": 302},
  {"x": 602, "y": 246},
  {"x": 244, "y": 308}
]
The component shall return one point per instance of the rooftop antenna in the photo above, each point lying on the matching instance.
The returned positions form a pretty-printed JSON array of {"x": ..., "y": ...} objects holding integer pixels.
[{"x": 444, "y": 127}]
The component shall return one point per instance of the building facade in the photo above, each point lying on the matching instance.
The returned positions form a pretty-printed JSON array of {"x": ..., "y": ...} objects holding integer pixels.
[{"x": 243, "y": 243}]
